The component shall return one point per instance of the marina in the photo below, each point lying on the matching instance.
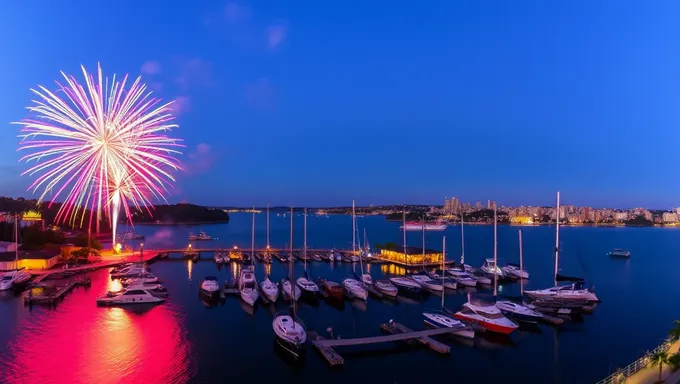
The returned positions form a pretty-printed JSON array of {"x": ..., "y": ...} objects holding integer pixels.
[{"x": 350, "y": 319}]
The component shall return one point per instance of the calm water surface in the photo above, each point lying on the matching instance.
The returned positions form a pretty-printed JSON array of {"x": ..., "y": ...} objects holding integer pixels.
[{"x": 184, "y": 340}]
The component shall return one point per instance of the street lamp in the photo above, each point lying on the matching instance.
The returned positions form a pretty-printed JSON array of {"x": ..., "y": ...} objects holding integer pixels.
[{"x": 141, "y": 253}]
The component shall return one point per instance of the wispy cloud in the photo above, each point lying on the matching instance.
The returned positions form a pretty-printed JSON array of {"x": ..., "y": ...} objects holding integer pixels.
[
  {"x": 260, "y": 94},
  {"x": 275, "y": 35},
  {"x": 151, "y": 67},
  {"x": 201, "y": 159},
  {"x": 180, "y": 105},
  {"x": 193, "y": 73},
  {"x": 236, "y": 13}
]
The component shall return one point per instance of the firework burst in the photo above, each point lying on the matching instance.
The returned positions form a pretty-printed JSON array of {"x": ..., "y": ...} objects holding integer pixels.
[{"x": 99, "y": 146}]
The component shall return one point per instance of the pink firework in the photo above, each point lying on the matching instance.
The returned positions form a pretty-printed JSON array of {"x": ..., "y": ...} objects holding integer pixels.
[{"x": 99, "y": 146}]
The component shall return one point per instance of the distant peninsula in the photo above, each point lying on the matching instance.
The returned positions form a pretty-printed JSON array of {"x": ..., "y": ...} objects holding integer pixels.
[{"x": 180, "y": 214}]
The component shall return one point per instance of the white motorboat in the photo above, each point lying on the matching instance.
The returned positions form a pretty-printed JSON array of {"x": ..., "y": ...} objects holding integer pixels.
[
  {"x": 367, "y": 279},
  {"x": 573, "y": 292},
  {"x": 201, "y": 236},
  {"x": 446, "y": 281},
  {"x": 518, "y": 311},
  {"x": 490, "y": 268},
  {"x": 291, "y": 291},
  {"x": 210, "y": 287},
  {"x": 128, "y": 297},
  {"x": 269, "y": 289},
  {"x": 154, "y": 289},
  {"x": 146, "y": 279},
  {"x": 514, "y": 270},
  {"x": 247, "y": 286},
  {"x": 307, "y": 286},
  {"x": 487, "y": 315},
  {"x": 290, "y": 333},
  {"x": 440, "y": 320},
  {"x": 480, "y": 276},
  {"x": 219, "y": 259},
  {"x": 405, "y": 284},
  {"x": 461, "y": 277},
  {"x": 427, "y": 283},
  {"x": 354, "y": 288},
  {"x": 316, "y": 257},
  {"x": 14, "y": 279},
  {"x": 133, "y": 271},
  {"x": 386, "y": 288}
]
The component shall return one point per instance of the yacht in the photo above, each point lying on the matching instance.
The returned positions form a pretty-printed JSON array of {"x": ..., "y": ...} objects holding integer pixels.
[
  {"x": 518, "y": 311},
  {"x": 316, "y": 257},
  {"x": 513, "y": 270},
  {"x": 290, "y": 333},
  {"x": 154, "y": 289},
  {"x": 461, "y": 277},
  {"x": 210, "y": 287},
  {"x": 619, "y": 253},
  {"x": 201, "y": 236},
  {"x": 427, "y": 283},
  {"x": 289, "y": 288},
  {"x": 419, "y": 226},
  {"x": 575, "y": 292},
  {"x": 14, "y": 279},
  {"x": 490, "y": 268},
  {"x": 129, "y": 296},
  {"x": 487, "y": 315},
  {"x": 308, "y": 286},
  {"x": 353, "y": 288},
  {"x": 405, "y": 284},
  {"x": 131, "y": 271},
  {"x": 446, "y": 281},
  {"x": 145, "y": 279},
  {"x": 219, "y": 259},
  {"x": 269, "y": 290},
  {"x": 332, "y": 289},
  {"x": 441, "y": 320},
  {"x": 386, "y": 288},
  {"x": 247, "y": 286}
]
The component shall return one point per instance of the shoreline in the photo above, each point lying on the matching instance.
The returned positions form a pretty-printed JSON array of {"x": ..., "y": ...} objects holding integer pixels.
[{"x": 186, "y": 223}]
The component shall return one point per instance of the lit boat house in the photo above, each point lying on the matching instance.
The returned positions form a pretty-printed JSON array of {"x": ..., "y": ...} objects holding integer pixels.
[
  {"x": 34, "y": 260},
  {"x": 412, "y": 257}
]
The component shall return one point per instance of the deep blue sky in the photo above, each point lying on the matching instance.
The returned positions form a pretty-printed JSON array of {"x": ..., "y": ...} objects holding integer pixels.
[{"x": 320, "y": 102}]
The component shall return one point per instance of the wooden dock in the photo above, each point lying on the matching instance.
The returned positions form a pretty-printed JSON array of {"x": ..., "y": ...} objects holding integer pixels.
[
  {"x": 398, "y": 332},
  {"x": 332, "y": 357},
  {"x": 53, "y": 297}
]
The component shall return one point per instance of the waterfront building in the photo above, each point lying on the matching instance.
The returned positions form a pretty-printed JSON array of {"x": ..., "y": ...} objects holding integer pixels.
[
  {"x": 29, "y": 260},
  {"x": 413, "y": 256},
  {"x": 522, "y": 220},
  {"x": 669, "y": 217}
]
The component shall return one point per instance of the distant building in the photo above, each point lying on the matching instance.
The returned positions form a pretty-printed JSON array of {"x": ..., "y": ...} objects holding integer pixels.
[
  {"x": 522, "y": 220},
  {"x": 621, "y": 216},
  {"x": 669, "y": 217},
  {"x": 28, "y": 260},
  {"x": 412, "y": 257}
]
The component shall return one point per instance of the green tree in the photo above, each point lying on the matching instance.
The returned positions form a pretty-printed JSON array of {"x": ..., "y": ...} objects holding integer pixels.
[
  {"x": 674, "y": 333},
  {"x": 674, "y": 361},
  {"x": 659, "y": 358},
  {"x": 81, "y": 241}
]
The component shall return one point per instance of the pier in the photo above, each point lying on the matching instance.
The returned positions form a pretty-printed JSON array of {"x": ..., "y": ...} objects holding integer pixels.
[
  {"x": 398, "y": 332},
  {"x": 52, "y": 298}
]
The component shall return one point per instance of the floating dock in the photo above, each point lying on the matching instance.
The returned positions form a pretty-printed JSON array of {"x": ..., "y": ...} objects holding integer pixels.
[
  {"x": 398, "y": 332},
  {"x": 53, "y": 297}
]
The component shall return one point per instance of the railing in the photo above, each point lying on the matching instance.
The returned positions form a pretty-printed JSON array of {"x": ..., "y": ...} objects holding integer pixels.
[{"x": 621, "y": 375}]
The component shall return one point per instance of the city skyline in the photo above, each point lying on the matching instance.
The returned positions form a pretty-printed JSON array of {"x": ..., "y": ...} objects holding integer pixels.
[{"x": 325, "y": 104}]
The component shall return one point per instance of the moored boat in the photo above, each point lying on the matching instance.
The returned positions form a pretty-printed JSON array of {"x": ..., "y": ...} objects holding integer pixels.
[
  {"x": 405, "y": 284},
  {"x": 210, "y": 287},
  {"x": 331, "y": 289},
  {"x": 269, "y": 290},
  {"x": 247, "y": 286},
  {"x": 129, "y": 297},
  {"x": 518, "y": 312},
  {"x": 441, "y": 320},
  {"x": 514, "y": 271},
  {"x": 290, "y": 333},
  {"x": 487, "y": 315},
  {"x": 386, "y": 288},
  {"x": 354, "y": 288},
  {"x": 290, "y": 291}
]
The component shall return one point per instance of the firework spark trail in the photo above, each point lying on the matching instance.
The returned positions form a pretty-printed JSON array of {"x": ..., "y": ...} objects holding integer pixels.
[{"x": 104, "y": 147}]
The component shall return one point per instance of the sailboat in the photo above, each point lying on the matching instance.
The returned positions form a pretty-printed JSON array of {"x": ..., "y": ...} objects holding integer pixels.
[
  {"x": 365, "y": 276},
  {"x": 404, "y": 283},
  {"x": 290, "y": 331},
  {"x": 247, "y": 285},
  {"x": 518, "y": 311},
  {"x": 289, "y": 289},
  {"x": 573, "y": 292},
  {"x": 484, "y": 313},
  {"x": 516, "y": 271},
  {"x": 308, "y": 286},
  {"x": 439, "y": 319},
  {"x": 422, "y": 278},
  {"x": 16, "y": 278}
]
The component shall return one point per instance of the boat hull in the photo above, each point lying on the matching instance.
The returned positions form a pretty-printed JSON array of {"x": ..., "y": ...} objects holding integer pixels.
[{"x": 489, "y": 326}]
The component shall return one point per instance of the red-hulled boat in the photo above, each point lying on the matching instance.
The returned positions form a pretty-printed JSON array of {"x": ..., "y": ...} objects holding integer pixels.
[{"x": 487, "y": 315}]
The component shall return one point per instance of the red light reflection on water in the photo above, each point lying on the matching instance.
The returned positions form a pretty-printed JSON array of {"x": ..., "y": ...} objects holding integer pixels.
[{"x": 81, "y": 343}]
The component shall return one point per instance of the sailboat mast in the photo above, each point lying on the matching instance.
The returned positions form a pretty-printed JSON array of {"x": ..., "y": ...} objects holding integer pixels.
[
  {"x": 366, "y": 247},
  {"x": 521, "y": 264},
  {"x": 403, "y": 226},
  {"x": 423, "y": 225},
  {"x": 495, "y": 251},
  {"x": 557, "y": 239},
  {"x": 443, "y": 260},
  {"x": 252, "y": 238},
  {"x": 267, "y": 226},
  {"x": 290, "y": 264},
  {"x": 462, "y": 241},
  {"x": 16, "y": 241},
  {"x": 304, "y": 251},
  {"x": 354, "y": 231}
]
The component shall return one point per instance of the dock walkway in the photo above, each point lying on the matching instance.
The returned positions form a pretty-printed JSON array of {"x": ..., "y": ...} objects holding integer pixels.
[{"x": 641, "y": 372}]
